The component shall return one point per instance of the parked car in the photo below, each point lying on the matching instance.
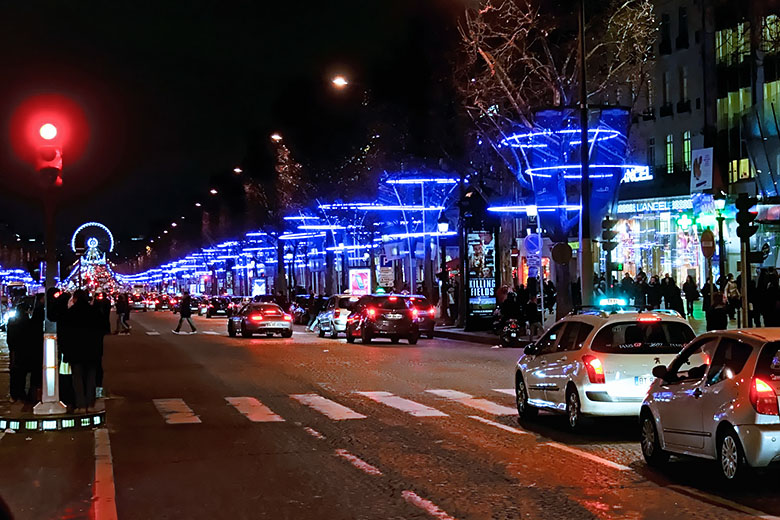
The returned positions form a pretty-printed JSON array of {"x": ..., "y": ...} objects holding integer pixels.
[
  {"x": 597, "y": 363},
  {"x": 333, "y": 319},
  {"x": 389, "y": 316},
  {"x": 426, "y": 314},
  {"x": 262, "y": 318},
  {"x": 718, "y": 399}
]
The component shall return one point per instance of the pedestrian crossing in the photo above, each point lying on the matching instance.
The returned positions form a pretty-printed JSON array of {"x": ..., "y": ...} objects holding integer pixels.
[{"x": 176, "y": 411}]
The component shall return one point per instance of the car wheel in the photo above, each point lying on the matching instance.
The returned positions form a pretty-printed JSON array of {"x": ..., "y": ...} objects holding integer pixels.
[
  {"x": 524, "y": 410},
  {"x": 321, "y": 333},
  {"x": 333, "y": 332},
  {"x": 651, "y": 444},
  {"x": 350, "y": 338},
  {"x": 430, "y": 336},
  {"x": 365, "y": 336},
  {"x": 573, "y": 409},
  {"x": 733, "y": 465},
  {"x": 231, "y": 331},
  {"x": 269, "y": 334},
  {"x": 245, "y": 333},
  {"x": 395, "y": 339},
  {"x": 287, "y": 334},
  {"x": 413, "y": 339}
]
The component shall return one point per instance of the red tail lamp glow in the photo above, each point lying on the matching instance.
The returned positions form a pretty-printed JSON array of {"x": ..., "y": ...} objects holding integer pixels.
[
  {"x": 371, "y": 312},
  {"x": 763, "y": 397},
  {"x": 256, "y": 317},
  {"x": 595, "y": 369},
  {"x": 287, "y": 317}
]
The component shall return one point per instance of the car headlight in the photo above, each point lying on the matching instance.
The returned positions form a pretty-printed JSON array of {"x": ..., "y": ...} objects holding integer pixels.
[{"x": 12, "y": 314}]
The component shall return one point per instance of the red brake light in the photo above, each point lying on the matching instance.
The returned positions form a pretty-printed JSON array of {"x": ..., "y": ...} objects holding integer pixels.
[
  {"x": 647, "y": 319},
  {"x": 415, "y": 314},
  {"x": 432, "y": 311},
  {"x": 156, "y": 301},
  {"x": 763, "y": 398},
  {"x": 336, "y": 313},
  {"x": 256, "y": 317},
  {"x": 371, "y": 312},
  {"x": 287, "y": 317},
  {"x": 393, "y": 298},
  {"x": 595, "y": 369}
]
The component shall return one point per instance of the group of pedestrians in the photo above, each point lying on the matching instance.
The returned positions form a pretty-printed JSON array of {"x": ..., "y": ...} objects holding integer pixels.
[{"x": 522, "y": 305}]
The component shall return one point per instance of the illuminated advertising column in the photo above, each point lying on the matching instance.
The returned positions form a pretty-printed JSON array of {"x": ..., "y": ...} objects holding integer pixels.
[{"x": 481, "y": 276}]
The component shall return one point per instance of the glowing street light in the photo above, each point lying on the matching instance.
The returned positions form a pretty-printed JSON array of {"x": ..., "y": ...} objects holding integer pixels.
[
  {"x": 339, "y": 81},
  {"x": 276, "y": 137},
  {"x": 213, "y": 191},
  {"x": 48, "y": 131},
  {"x": 197, "y": 204},
  {"x": 237, "y": 170},
  {"x": 174, "y": 224}
]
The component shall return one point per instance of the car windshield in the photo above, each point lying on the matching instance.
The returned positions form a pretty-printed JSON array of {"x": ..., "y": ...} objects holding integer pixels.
[
  {"x": 640, "y": 337},
  {"x": 768, "y": 365}
]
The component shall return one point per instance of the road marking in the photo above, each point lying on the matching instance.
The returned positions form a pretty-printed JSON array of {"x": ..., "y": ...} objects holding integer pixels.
[
  {"x": 314, "y": 433},
  {"x": 504, "y": 427},
  {"x": 359, "y": 463},
  {"x": 405, "y": 405},
  {"x": 253, "y": 409},
  {"x": 152, "y": 333},
  {"x": 327, "y": 407},
  {"x": 480, "y": 404},
  {"x": 176, "y": 411},
  {"x": 211, "y": 332},
  {"x": 426, "y": 505},
  {"x": 589, "y": 456},
  {"x": 103, "y": 492},
  {"x": 684, "y": 490},
  {"x": 507, "y": 391}
]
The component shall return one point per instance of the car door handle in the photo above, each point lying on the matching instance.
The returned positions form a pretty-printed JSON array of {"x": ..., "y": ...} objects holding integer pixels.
[
  {"x": 542, "y": 362},
  {"x": 697, "y": 393}
]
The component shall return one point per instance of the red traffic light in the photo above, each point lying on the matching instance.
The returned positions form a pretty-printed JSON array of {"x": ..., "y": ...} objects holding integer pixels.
[{"x": 48, "y": 131}]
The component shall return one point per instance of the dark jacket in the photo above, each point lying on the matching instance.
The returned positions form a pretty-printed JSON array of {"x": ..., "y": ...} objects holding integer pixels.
[
  {"x": 532, "y": 312},
  {"x": 79, "y": 333},
  {"x": 691, "y": 291},
  {"x": 185, "y": 307}
]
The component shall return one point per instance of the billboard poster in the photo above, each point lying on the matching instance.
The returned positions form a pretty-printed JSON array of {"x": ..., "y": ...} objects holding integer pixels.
[
  {"x": 482, "y": 273},
  {"x": 701, "y": 170},
  {"x": 359, "y": 282}
]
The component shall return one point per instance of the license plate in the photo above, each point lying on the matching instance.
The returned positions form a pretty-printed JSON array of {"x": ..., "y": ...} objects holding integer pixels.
[
  {"x": 643, "y": 380},
  {"x": 514, "y": 334},
  {"x": 276, "y": 324},
  {"x": 394, "y": 316}
]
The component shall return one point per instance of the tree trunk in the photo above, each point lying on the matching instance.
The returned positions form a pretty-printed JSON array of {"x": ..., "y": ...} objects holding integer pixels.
[{"x": 563, "y": 297}]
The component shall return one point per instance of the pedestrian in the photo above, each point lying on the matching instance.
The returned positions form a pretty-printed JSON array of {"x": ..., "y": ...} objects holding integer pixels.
[
  {"x": 34, "y": 339},
  {"x": 534, "y": 317},
  {"x": 717, "y": 315},
  {"x": 706, "y": 295},
  {"x": 654, "y": 293},
  {"x": 17, "y": 347},
  {"x": 122, "y": 309},
  {"x": 549, "y": 295},
  {"x": 691, "y": 294},
  {"x": 753, "y": 315},
  {"x": 771, "y": 299},
  {"x": 103, "y": 309},
  {"x": 80, "y": 344},
  {"x": 674, "y": 297},
  {"x": 627, "y": 287},
  {"x": 185, "y": 312},
  {"x": 732, "y": 296},
  {"x": 667, "y": 291},
  {"x": 452, "y": 301}
]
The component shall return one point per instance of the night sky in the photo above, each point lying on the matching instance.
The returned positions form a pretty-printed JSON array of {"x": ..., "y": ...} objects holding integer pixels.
[{"x": 178, "y": 92}]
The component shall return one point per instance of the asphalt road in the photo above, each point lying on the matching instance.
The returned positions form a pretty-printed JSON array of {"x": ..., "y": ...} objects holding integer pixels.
[{"x": 207, "y": 426}]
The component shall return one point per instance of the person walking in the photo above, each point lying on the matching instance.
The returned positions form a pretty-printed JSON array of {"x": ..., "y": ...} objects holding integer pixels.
[
  {"x": 549, "y": 295},
  {"x": 80, "y": 344},
  {"x": 717, "y": 315},
  {"x": 674, "y": 298},
  {"x": 103, "y": 309},
  {"x": 654, "y": 293},
  {"x": 691, "y": 294},
  {"x": 122, "y": 310},
  {"x": 17, "y": 346},
  {"x": 185, "y": 312},
  {"x": 732, "y": 296},
  {"x": 534, "y": 317}
]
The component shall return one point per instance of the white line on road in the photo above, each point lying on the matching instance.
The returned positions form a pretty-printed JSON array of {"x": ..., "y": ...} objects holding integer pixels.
[
  {"x": 426, "y": 505},
  {"x": 684, "y": 490},
  {"x": 152, "y": 333},
  {"x": 253, "y": 409},
  {"x": 314, "y": 433},
  {"x": 479, "y": 404},
  {"x": 359, "y": 463},
  {"x": 405, "y": 405},
  {"x": 211, "y": 332},
  {"x": 327, "y": 407},
  {"x": 589, "y": 456},
  {"x": 504, "y": 427},
  {"x": 507, "y": 391},
  {"x": 104, "y": 494},
  {"x": 176, "y": 411}
]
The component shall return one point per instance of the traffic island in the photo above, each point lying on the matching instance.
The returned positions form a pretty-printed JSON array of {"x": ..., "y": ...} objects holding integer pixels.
[{"x": 19, "y": 417}]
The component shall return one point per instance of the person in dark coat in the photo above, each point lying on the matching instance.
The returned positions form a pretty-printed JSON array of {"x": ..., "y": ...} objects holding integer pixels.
[
  {"x": 549, "y": 295},
  {"x": 654, "y": 293},
  {"x": 717, "y": 313},
  {"x": 691, "y": 294},
  {"x": 185, "y": 312},
  {"x": 122, "y": 309},
  {"x": 80, "y": 345},
  {"x": 534, "y": 317},
  {"x": 18, "y": 349},
  {"x": 674, "y": 298},
  {"x": 103, "y": 307},
  {"x": 706, "y": 296},
  {"x": 35, "y": 341}
]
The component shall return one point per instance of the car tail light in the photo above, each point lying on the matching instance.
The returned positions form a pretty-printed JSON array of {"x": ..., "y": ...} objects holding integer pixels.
[
  {"x": 337, "y": 313},
  {"x": 763, "y": 397},
  {"x": 156, "y": 301},
  {"x": 649, "y": 319},
  {"x": 432, "y": 311},
  {"x": 287, "y": 317},
  {"x": 211, "y": 306},
  {"x": 595, "y": 369},
  {"x": 256, "y": 317},
  {"x": 415, "y": 314},
  {"x": 371, "y": 312}
]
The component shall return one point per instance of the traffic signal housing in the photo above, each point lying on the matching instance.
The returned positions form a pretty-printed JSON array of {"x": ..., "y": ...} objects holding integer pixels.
[
  {"x": 48, "y": 155},
  {"x": 745, "y": 217},
  {"x": 608, "y": 234}
]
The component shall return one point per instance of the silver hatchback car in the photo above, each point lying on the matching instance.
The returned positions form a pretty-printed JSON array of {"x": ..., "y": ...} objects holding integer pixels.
[{"x": 717, "y": 400}]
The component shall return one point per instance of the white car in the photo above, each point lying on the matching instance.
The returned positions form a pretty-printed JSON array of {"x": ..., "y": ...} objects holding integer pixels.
[
  {"x": 334, "y": 318},
  {"x": 596, "y": 363},
  {"x": 718, "y": 399}
]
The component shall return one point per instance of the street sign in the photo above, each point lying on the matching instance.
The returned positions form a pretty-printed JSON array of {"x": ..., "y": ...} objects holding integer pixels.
[
  {"x": 561, "y": 253},
  {"x": 533, "y": 260},
  {"x": 533, "y": 244},
  {"x": 707, "y": 243},
  {"x": 765, "y": 249},
  {"x": 386, "y": 277}
]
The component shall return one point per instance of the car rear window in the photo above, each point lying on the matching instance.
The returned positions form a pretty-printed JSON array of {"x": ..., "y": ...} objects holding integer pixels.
[
  {"x": 768, "y": 365},
  {"x": 637, "y": 337},
  {"x": 347, "y": 303},
  {"x": 390, "y": 303},
  {"x": 420, "y": 303},
  {"x": 268, "y": 307}
]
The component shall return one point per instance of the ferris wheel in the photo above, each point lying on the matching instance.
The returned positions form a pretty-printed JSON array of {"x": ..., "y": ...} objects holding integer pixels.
[{"x": 94, "y": 239}]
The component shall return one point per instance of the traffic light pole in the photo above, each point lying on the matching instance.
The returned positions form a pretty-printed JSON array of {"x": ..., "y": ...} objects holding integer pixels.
[
  {"x": 586, "y": 244},
  {"x": 50, "y": 394},
  {"x": 745, "y": 282}
]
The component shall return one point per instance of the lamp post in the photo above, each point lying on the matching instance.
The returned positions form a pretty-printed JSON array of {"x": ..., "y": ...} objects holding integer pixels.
[
  {"x": 585, "y": 253},
  {"x": 443, "y": 226},
  {"x": 720, "y": 204}
]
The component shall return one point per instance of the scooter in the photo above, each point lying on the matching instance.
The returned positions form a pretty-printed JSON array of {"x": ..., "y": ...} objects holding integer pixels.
[{"x": 513, "y": 335}]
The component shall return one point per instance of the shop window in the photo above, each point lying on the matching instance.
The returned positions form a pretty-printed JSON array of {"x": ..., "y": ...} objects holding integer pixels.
[
  {"x": 686, "y": 144},
  {"x": 669, "y": 153},
  {"x": 740, "y": 170}
]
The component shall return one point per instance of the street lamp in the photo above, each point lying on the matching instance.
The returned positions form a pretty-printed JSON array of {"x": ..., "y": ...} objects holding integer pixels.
[
  {"x": 276, "y": 137},
  {"x": 443, "y": 226},
  {"x": 213, "y": 191},
  {"x": 339, "y": 81},
  {"x": 237, "y": 170}
]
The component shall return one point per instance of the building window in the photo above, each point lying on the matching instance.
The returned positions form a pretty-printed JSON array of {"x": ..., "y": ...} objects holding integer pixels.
[
  {"x": 666, "y": 93},
  {"x": 732, "y": 46},
  {"x": 665, "y": 47},
  {"x": 683, "y": 83},
  {"x": 686, "y": 143},
  {"x": 739, "y": 170},
  {"x": 669, "y": 153},
  {"x": 651, "y": 154},
  {"x": 682, "y": 31}
]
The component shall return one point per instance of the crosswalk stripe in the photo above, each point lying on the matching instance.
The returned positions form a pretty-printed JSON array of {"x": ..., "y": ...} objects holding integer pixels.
[
  {"x": 253, "y": 409},
  {"x": 152, "y": 333},
  {"x": 479, "y": 404},
  {"x": 405, "y": 405},
  {"x": 507, "y": 391},
  {"x": 211, "y": 332},
  {"x": 327, "y": 407},
  {"x": 176, "y": 411}
]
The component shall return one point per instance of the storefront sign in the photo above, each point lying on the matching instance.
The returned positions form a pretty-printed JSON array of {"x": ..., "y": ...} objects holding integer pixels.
[
  {"x": 359, "y": 282},
  {"x": 636, "y": 207},
  {"x": 701, "y": 170},
  {"x": 637, "y": 174}
]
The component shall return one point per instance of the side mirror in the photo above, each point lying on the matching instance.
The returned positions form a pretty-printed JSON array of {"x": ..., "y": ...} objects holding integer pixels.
[
  {"x": 530, "y": 350},
  {"x": 660, "y": 371}
]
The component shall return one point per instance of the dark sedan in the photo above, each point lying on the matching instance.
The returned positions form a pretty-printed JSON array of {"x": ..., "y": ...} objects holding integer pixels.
[{"x": 388, "y": 316}]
